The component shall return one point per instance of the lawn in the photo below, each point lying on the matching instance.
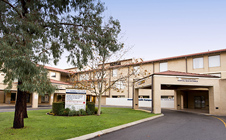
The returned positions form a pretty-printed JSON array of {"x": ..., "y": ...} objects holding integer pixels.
[{"x": 42, "y": 126}]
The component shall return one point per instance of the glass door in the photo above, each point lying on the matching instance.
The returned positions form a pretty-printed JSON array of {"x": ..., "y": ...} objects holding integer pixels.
[{"x": 198, "y": 102}]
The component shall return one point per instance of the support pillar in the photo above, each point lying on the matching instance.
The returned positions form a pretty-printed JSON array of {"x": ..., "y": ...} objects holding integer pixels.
[
  {"x": 211, "y": 101},
  {"x": 35, "y": 100},
  {"x": 136, "y": 99},
  {"x": 156, "y": 98},
  {"x": 175, "y": 99},
  {"x": 182, "y": 101},
  {"x": 178, "y": 103},
  {"x": 51, "y": 99}
]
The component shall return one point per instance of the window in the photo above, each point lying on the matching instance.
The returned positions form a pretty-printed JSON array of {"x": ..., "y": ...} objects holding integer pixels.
[
  {"x": 136, "y": 70},
  {"x": 214, "y": 61},
  {"x": 119, "y": 85},
  {"x": 198, "y": 63},
  {"x": 114, "y": 72},
  {"x": 53, "y": 74},
  {"x": 163, "y": 67},
  {"x": 99, "y": 75},
  {"x": 115, "y": 63}
]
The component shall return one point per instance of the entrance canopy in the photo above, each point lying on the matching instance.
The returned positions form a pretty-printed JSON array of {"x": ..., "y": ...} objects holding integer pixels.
[{"x": 177, "y": 81}]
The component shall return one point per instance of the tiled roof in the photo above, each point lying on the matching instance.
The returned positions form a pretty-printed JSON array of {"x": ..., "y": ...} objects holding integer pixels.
[
  {"x": 59, "y": 82},
  {"x": 57, "y": 69},
  {"x": 177, "y": 73}
]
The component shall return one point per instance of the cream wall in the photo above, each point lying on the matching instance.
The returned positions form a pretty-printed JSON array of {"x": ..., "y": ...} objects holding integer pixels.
[
  {"x": 215, "y": 93},
  {"x": 1, "y": 96},
  {"x": 177, "y": 65},
  {"x": 58, "y": 76}
]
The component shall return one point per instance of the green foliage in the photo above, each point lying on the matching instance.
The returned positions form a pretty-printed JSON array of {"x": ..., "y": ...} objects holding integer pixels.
[
  {"x": 91, "y": 107},
  {"x": 89, "y": 112},
  {"x": 63, "y": 104},
  {"x": 82, "y": 112},
  {"x": 35, "y": 32},
  {"x": 73, "y": 113},
  {"x": 64, "y": 112},
  {"x": 57, "y": 107}
]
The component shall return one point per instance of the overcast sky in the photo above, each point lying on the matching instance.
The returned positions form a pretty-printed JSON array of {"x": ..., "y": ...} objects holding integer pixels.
[{"x": 165, "y": 28}]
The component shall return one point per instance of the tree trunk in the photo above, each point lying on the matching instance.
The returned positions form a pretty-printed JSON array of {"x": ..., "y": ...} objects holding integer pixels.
[
  {"x": 25, "y": 105},
  {"x": 99, "y": 105},
  {"x": 19, "y": 109}
]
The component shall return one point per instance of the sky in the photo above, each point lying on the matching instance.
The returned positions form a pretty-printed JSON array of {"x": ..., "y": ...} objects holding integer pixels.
[{"x": 165, "y": 28}]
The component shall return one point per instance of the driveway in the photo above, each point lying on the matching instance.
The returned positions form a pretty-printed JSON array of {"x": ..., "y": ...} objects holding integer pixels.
[
  {"x": 11, "y": 108},
  {"x": 174, "y": 125}
]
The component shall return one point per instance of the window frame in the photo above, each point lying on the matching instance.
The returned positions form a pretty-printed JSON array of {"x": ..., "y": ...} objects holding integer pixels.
[
  {"x": 51, "y": 74},
  {"x": 136, "y": 70},
  {"x": 212, "y": 56},
  {"x": 195, "y": 63},
  {"x": 114, "y": 72},
  {"x": 161, "y": 66}
]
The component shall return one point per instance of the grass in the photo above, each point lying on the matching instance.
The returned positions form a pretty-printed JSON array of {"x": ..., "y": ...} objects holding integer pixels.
[{"x": 42, "y": 126}]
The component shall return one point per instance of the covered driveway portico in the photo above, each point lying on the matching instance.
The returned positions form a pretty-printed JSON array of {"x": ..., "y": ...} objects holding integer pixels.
[{"x": 191, "y": 91}]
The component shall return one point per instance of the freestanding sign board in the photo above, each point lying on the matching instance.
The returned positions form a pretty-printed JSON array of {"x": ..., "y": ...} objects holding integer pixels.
[{"x": 75, "y": 99}]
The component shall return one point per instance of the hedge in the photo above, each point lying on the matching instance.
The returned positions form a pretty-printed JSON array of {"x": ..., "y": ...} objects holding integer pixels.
[{"x": 56, "y": 107}]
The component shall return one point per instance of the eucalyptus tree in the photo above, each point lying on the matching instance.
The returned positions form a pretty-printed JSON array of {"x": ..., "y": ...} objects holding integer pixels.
[
  {"x": 105, "y": 44},
  {"x": 35, "y": 32}
]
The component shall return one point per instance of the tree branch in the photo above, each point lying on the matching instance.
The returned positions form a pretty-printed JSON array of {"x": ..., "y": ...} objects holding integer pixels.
[
  {"x": 78, "y": 25},
  {"x": 20, "y": 14}
]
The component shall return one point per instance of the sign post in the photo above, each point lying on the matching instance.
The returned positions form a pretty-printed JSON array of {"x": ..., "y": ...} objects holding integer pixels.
[{"x": 75, "y": 99}]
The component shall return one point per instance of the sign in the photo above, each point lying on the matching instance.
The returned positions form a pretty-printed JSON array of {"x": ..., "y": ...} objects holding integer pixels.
[
  {"x": 141, "y": 82},
  {"x": 187, "y": 80},
  {"x": 75, "y": 99},
  {"x": 141, "y": 99}
]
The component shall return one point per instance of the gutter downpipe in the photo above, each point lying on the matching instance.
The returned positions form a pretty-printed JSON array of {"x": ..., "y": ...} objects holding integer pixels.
[
  {"x": 152, "y": 90},
  {"x": 133, "y": 95},
  {"x": 128, "y": 81},
  {"x": 186, "y": 61},
  {"x": 152, "y": 93}
]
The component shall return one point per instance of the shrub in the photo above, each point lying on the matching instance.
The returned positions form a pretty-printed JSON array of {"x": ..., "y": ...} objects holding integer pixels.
[
  {"x": 91, "y": 107},
  {"x": 82, "y": 112},
  {"x": 56, "y": 107},
  {"x": 64, "y": 112},
  {"x": 63, "y": 104},
  {"x": 89, "y": 112},
  {"x": 72, "y": 113}
]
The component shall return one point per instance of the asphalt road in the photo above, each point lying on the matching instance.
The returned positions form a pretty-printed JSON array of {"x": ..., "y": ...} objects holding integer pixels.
[
  {"x": 174, "y": 126},
  {"x": 12, "y": 108}
]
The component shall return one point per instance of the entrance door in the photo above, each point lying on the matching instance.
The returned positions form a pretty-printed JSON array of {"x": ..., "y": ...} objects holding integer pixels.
[
  {"x": 199, "y": 102},
  {"x": 13, "y": 97}
]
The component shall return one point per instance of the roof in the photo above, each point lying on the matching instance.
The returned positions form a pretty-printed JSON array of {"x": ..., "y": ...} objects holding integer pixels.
[
  {"x": 188, "y": 55},
  {"x": 59, "y": 82},
  {"x": 177, "y": 73},
  {"x": 162, "y": 59},
  {"x": 57, "y": 69}
]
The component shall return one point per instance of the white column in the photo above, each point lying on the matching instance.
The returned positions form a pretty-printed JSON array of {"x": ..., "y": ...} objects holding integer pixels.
[{"x": 35, "y": 100}]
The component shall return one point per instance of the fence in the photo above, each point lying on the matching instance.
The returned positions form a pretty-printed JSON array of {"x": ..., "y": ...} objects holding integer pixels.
[{"x": 143, "y": 102}]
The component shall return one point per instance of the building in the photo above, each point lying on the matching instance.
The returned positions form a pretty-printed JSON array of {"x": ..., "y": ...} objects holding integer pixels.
[
  {"x": 58, "y": 77},
  {"x": 195, "y": 81}
]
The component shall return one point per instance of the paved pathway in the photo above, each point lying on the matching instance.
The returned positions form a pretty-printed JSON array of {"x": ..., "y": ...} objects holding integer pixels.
[{"x": 174, "y": 125}]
